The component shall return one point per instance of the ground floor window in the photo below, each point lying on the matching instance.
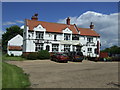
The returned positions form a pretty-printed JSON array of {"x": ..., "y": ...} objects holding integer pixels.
[
  {"x": 78, "y": 48},
  {"x": 96, "y": 51},
  {"x": 39, "y": 47},
  {"x": 66, "y": 48},
  {"x": 89, "y": 50},
  {"x": 55, "y": 47},
  {"x": 74, "y": 48}
]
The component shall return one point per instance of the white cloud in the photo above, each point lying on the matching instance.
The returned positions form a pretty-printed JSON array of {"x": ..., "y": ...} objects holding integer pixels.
[
  {"x": 9, "y": 23},
  {"x": 105, "y": 25},
  {"x": 19, "y": 21},
  {"x": 12, "y": 23}
]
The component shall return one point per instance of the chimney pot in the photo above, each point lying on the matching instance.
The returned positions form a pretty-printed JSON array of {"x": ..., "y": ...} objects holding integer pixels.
[
  {"x": 68, "y": 21},
  {"x": 91, "y": 25},
  {"x": 34, "y": 17}
]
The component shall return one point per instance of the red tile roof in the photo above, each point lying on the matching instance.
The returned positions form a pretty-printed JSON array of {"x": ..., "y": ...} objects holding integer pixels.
[
  {"x": 15, "y": 48},
  {"x": 50, "y": 27},
  {"x": 57, "y": 27},
  {"x": 88, "y": 32}
]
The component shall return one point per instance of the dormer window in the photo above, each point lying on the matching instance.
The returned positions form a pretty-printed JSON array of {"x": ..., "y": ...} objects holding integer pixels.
[
  {"x": 39, "y": 35},
  {"x": 66, "y": 36}
]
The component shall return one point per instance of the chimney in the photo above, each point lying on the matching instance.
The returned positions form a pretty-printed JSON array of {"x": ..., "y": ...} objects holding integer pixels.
[
  {"x": 34, "y": 17},
  {"x": 68, "y": 21},
  {"x": 91, "y": 26}
]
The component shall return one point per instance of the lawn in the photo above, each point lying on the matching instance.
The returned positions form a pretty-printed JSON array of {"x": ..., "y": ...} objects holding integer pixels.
[
  {"x": 12, "y": 58},
  {"x": 13, "y": 77}
]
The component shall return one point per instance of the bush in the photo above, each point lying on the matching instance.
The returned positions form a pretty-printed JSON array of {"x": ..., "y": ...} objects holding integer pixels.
[
  {"x": 109, "y": 58},
  {"x": 43, "y": 54},
  {"x": 115, "y": 58},
  {"x": 32, "y": 56}
]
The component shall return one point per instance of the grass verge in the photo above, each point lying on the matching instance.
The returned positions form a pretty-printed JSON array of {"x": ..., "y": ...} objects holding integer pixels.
[
  {"x": 13, "y": 77},
  {"x": 12, "y": 58}
]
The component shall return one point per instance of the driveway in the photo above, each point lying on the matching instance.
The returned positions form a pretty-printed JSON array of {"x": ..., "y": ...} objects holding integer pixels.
[{"x": 88, "y": 74}]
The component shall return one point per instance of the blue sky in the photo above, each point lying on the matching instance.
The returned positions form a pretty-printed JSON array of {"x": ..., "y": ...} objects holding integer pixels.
[
  {"x": 14, "y": 13},
  {"x": 52, "y": 12}
]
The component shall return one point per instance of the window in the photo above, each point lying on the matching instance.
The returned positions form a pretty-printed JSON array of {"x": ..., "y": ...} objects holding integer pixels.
[
  {"x": 39, "y": 35},
  {"x": 66, "y": 37},
  {"x": 55, "y": 47},
  {"x": 66, "y": 48},
  {"x": 74, "y": 48},
  {"x": 55, "y": 36},
  {"x": 75, "y": 37},
  {"x": 96, "y": 51},
  {"x": 78, "y": 48},
  {"x": 89, "y": 50},
  {"x": 39, "y": 47},
  {"x": 90, "y": 39}
]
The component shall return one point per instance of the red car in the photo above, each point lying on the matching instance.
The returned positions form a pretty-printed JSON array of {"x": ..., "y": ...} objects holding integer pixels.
[{"x": 60, "y": 57}]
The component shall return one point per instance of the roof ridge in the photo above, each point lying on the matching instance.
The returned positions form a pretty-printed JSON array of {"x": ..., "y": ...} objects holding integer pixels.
[{"x": 51, "y": 22}]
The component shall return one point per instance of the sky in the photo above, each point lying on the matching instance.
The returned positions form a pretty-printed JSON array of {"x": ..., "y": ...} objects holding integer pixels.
[{"x": 102, "y": 14}]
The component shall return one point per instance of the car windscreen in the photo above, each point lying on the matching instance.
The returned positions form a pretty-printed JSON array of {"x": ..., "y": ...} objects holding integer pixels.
[{"x": 62, "y": 54}]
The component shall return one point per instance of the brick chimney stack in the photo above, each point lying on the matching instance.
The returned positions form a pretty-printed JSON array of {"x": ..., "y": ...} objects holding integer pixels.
[
  {"x": 68, "y": 21},
  {"x": 34, "y": 17},
  {"x": 91, "y": 26}
]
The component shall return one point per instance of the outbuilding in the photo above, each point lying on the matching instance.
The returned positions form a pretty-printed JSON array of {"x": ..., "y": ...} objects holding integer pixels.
[{"x": 14, "y": 46}]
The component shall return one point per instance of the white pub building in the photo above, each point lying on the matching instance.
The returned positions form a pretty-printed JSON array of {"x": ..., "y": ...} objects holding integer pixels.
[{"x": 56, "y": 37}]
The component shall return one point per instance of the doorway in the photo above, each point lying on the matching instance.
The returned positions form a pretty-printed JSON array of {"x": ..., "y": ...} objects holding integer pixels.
[{"x": 48, "y": 48}]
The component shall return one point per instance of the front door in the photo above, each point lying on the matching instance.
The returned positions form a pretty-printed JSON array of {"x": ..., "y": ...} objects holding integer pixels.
[{"x": 48, "y": 48}]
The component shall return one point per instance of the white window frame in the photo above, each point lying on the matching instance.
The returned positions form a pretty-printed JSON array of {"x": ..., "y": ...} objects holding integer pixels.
[
  {"x": 66, "y": 47},
  {"x": 66, "y": 36},
  {"x": 38, "y": 46},
  {"x": 55, "y": 47},
  {"x": 89, "y": 50},
  {"x": 90, "y": 39},
  {"x": 39, "y": 35}
]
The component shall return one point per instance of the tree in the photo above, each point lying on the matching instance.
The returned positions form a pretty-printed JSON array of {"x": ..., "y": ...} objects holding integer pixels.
[
  {"x": 113, "y": 50},
  {"x": 10, "y": 33}
]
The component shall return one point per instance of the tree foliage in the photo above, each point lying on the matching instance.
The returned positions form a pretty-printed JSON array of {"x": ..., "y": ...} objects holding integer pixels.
[
  {"x": 10, "y": 33},
  {"x": 43, "y": 54},
  {"x": 113, "y": 50}
]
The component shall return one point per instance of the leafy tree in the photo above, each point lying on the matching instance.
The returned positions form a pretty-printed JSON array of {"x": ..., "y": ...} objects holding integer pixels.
[
  {"x": 113, "y": 50},
  {"x": 10, "y": 33}
]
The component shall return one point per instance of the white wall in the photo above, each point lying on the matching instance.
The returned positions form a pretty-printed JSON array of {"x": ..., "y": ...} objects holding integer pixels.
[
  {"x": 30, "y": 45},
  {"x": 15, "y": 41},
  {"x": 83, "y": 41},
  {"x": 15, "y": 53}
]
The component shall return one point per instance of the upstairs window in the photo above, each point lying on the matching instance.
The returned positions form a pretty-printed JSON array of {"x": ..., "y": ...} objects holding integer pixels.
[
  {"x": 39, "y": 35},
  {"x": 90, "y": 39},
  {"x": 66, "y": 37},
  {"x": 75, "y": 37}
]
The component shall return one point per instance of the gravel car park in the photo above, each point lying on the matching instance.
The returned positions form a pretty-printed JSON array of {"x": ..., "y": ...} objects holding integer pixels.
[{"x": 86, "y": 74}]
